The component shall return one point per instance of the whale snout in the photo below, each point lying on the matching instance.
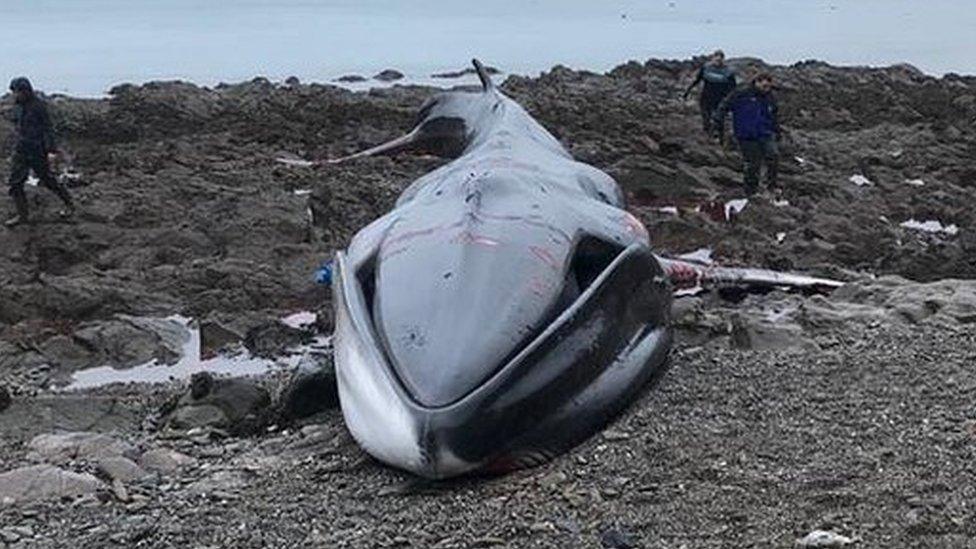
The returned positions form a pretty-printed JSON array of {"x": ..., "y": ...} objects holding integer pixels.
[{"x": 525, "y": 402}]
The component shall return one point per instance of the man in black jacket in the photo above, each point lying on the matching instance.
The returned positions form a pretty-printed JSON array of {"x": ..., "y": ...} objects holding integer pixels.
[
  {"x": 719, "y": 80},
  {"x": 35, "y": 143}
]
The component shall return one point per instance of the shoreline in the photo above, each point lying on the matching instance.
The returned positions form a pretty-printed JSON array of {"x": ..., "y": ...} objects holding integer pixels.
[{"x": 369, "y": 82}]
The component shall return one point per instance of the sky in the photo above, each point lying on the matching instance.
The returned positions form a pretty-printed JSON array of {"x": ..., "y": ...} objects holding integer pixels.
[{"x": 84, "y": 47}]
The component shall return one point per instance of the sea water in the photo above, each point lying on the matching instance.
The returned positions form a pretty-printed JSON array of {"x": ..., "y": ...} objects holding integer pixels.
[{"x": 83, "y": 47}]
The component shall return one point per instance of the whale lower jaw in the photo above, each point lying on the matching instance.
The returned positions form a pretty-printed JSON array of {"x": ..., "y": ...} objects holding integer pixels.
[{"x": 565, "y": 385}]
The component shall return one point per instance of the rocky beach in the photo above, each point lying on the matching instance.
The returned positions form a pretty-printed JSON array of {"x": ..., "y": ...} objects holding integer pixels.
[{"x": 782, "y": 419}]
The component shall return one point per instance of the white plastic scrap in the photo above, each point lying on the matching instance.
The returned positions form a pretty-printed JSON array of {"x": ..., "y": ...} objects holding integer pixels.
[
  {"x": 300, "y": 319},
  {"x": 299, "y": 162},
  {"x": 915, "y": 182},
  {"x": 931, "y": 226},
  {"x": 860, "y": 180},
  {"x": 781, "y": 203},
  {"x": 800, "y": 160},
  {"x": 701, "y": 255},
  {"x": 823, "y": 538},
  {"x": 735, "y": 207},
  {"x": 668, "y": 210},
  {"x": 780, "y": 237}
]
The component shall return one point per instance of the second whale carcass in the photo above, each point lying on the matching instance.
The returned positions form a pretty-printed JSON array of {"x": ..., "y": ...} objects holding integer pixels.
[{"x": 509, "y": 305}]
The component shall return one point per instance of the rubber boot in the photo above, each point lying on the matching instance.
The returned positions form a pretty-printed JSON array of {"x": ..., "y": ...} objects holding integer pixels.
[
  {"x": 69, "y": 205},
  {"x": 20, "y": 201}
]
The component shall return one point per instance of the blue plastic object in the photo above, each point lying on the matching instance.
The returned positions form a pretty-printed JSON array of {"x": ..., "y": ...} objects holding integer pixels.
[{"x": 324, "y": 273}]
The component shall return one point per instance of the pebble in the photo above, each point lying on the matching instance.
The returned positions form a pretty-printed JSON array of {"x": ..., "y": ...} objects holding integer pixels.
[{"x": 617, "y": 539}]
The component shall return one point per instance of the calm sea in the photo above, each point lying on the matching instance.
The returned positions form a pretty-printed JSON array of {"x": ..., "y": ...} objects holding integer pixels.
[{"x": 83, "y": 47}]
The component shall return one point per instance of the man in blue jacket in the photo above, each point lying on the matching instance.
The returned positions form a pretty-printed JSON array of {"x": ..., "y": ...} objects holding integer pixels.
[
  {"x": 755, "y": 123},
  {"x": 35, "y": 147}
]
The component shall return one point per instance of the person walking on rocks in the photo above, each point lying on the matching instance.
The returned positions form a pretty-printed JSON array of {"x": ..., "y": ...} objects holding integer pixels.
[
  {"x": 34, "y": 150},
  {"x": 719, "y": 80},
  {"x": 755, "y": 123}
]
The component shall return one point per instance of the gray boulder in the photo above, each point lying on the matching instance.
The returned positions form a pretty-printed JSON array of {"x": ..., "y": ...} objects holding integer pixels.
[
  {"x": 311, "y": 389},
  {"x": 41, "y": 482},
  {"x": 64, "y": 447},
  {"x": 237, "y": 405},
  {"x": 165, "y": 460}
]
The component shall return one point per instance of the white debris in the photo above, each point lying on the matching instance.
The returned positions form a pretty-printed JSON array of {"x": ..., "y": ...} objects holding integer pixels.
[
  {"x": 823, "y": 538},
  {"x": 860, "y": 180},
  {"x": 299, "y": 162},
  {"x": 701, "y": 255},
  {"x": 780, "y": 237},
  {"x": 781, "y": 203},
  {"x": 800, "y": 160},
  {"x": 735, "y": 207},
  {"x": 300, "y": 319},
  {"x": 302, "y": 192},
  {"x": 688, "y": 292},
  {"x": 33, "y": 181},
  {"x": 668, "y": 210},
  {"x": 931, "y": 226},
  {"x": 915, "y": 182}
]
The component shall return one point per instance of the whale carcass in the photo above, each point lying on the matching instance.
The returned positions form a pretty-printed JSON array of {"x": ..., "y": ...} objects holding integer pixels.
[{"x": 506, "y": 308}]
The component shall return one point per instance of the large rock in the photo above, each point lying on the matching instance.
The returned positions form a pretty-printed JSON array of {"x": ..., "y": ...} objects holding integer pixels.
[
  {"x": 28, "y": 417},
  {"x": 311, "y": 389},
  {"x": 122, "y": 469},
  {"x": 41, "y": 482},
  {"x": 913, "y": 302},
  {"x": 129, "y": 341},
  {"x": 238, "y": 405},
  {"x": 165, "y": 460},
  {"x": 63, "y": 447},
  {"x": 388, "y": 75},
  {"x": 271, "y": 339}
]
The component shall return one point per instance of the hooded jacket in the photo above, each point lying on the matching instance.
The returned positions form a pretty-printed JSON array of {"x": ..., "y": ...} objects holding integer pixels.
[{"x": 31, "y": 121}]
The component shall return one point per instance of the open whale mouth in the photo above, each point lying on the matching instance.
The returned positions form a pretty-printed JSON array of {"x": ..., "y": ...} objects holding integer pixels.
[{"x": 451, "y": 399}]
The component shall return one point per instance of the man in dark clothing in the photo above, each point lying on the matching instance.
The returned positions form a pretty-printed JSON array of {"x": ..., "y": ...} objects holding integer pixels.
[
  {"x": 719, "y": 81},
  {"x": 755, "y": 122},
  {"x": 35, "y": 142}
]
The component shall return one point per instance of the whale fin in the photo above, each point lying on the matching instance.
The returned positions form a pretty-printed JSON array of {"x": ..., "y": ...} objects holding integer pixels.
[
  {"x": 392, "y": 146},
  {"x": 483, "y": 75}
]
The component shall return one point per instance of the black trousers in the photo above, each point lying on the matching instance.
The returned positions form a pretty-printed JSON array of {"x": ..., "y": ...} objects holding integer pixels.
[
  {"x": 755, "y": 153},
  {"x": 708, "y": 107},
  {"x": 24, "y": 161}
]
